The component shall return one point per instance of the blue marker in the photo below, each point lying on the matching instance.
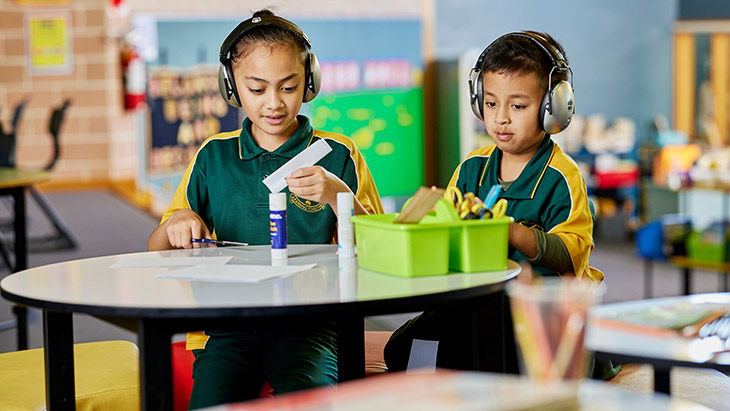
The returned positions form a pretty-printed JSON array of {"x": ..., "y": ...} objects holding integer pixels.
[{"x": 492, "y": 196}]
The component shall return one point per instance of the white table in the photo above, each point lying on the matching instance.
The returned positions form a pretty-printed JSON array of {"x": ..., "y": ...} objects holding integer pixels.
[
  {"x": 661, "y": 351},
  {"x": 157, "y": 308}
]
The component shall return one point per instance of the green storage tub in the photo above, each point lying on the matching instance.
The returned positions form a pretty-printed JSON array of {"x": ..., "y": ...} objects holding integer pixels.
[{"x": 439, "y": 243}]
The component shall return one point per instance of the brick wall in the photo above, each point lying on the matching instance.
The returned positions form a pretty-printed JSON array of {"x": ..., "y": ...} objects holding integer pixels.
[{"x": 99, "y": 138}]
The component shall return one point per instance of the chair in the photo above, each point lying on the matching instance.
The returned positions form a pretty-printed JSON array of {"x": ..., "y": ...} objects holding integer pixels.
[
  {"x": 107, "y": 378},
  {"x": 182, "y": 367},
  {"x": 61, "y": 238}
]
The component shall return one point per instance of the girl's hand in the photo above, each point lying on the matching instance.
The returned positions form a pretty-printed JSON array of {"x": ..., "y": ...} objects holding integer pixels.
[
  {"x": 184, "y": 225},
  {"x": 317, "y": 184}
]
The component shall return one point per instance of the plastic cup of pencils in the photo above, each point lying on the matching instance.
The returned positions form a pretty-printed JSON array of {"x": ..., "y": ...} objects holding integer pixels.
[{"x": 550, "y": 316}]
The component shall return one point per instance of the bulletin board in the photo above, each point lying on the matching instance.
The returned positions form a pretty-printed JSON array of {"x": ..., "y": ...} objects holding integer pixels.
[{"x": 372, "y": 91}]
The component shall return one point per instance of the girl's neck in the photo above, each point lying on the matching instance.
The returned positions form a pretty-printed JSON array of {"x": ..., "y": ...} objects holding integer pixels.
[{"x": 271, "y": 142}]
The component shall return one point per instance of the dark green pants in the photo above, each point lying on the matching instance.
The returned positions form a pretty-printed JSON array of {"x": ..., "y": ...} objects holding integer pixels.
[{"x": 233, "y": 366}]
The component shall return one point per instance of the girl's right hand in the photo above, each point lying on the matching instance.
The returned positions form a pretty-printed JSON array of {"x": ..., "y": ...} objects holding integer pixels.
[{"x": 182, "y": 226}]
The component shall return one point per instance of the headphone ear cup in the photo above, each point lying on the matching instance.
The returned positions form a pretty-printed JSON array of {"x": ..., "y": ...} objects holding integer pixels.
[
  {"x": 313, "y": 78},
  {"x": 227, "y": 85},
  {"x": 557, "y": 108},
  {"x": 476, "y": 94}
]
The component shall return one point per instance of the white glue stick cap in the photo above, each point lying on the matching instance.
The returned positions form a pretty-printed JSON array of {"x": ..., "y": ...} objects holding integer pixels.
[{"x": 277, "y": 201}]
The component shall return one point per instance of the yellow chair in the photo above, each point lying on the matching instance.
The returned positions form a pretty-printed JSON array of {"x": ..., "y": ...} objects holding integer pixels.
[{"x": 107, "y": 378}]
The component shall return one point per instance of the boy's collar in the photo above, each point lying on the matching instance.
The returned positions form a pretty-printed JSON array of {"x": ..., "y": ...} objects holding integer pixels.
[
  {"x": 297, "y": 142},
  {"x": 526, "y": 184}
]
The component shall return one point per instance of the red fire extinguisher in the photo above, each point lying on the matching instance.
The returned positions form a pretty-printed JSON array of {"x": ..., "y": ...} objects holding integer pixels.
[{"x": 135, "y": 77}]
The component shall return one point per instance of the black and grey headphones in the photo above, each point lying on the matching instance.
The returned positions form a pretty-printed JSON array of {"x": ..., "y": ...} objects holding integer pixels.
[
  {"x": 557, "y": 107},
  {"x": 226, "y": 80}
]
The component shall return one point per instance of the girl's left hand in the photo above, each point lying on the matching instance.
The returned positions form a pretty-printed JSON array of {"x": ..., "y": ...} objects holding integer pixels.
[{"x": 316, "y": 184}]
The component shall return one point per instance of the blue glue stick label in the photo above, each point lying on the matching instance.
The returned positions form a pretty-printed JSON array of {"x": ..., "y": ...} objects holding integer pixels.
[{"x": 278, "y": 229}]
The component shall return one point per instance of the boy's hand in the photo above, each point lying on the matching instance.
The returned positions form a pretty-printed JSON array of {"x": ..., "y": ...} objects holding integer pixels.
[
  {"x": 182, "y": 226},
  {"x": 317, "y": 184}
]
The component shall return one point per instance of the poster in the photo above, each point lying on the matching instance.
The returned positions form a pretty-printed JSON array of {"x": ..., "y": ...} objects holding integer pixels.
[
  {"x": 185, "y": 108},
  {"x": 48, "y": 41}
]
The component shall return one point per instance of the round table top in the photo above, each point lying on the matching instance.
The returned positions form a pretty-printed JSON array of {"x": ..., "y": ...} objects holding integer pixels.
[
  {"x": 13, "y": 177},
  {"x": 91, "y": 285},
  {"x": 658, "y": 346}
]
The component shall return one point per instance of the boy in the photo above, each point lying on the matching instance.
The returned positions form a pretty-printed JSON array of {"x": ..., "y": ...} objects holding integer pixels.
[
  {"x": 268, "y": 70},
  {"x": 519, "y": 87}
]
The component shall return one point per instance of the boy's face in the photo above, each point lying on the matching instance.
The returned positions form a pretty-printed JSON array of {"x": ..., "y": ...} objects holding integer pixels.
[
  {"x": 270, "y": 81},
  {"x": 511, "y": 111}
]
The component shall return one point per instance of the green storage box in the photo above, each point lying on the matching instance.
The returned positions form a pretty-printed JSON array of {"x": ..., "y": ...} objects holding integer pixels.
[
  {"x": 707, "y": 246},
  {"x": 406, "y": 250},
  {"x": 439, "y": 243}
]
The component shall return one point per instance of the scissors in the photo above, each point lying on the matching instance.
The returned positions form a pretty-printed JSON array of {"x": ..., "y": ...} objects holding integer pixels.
[{"x": 499, "y": 209}]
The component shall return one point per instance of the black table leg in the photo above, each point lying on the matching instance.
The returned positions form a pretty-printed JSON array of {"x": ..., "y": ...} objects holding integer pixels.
[
  {"x": 21, "y": 261},
  {"x": 59, "y": 355},
  {"x": 687, "y": 280},
  {"x": 661, "y": 380},
  {"x": 21, "y": 321},
  {"x": 350, "y": 348},
  {"x": 155, "y": 366}
]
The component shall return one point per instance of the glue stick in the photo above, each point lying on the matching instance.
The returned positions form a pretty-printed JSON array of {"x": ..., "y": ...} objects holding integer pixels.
[
  {"x": 277, "y": 220},
  {"x": 345, "y": 231}
]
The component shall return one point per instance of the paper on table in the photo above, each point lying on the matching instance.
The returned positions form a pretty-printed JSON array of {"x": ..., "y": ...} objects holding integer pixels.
[
  {"x": 276, "y": 181},
  {"x": 142, "y": 262},
  {"x": 237, "y": 273}
]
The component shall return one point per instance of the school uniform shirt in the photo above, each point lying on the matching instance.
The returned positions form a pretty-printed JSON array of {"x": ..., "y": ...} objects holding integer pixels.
[
  {"x": 549, "y": 195},
  {"x": 223, "y": 185}
]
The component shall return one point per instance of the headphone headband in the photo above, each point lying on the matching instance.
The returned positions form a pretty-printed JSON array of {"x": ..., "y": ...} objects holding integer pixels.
[
  {"x": 552, "y": 52},
  {"x": 226, "y": 80},
  {"x": 259, "y": 21},
  {"x": 556, "y": 109}
]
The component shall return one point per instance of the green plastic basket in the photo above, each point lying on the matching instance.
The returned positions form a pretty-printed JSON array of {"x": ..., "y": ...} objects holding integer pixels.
[
  {"x": 439, "y": 243},
  {"x": 407, "y": 250}
]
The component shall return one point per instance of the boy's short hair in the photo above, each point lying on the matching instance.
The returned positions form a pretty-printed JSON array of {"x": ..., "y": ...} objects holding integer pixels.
[{"x": 514, "y": 53}]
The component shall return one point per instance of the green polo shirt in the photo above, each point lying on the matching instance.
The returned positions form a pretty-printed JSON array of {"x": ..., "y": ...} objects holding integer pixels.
[
  {"x": 549, "y": 195},
  {"x": 223, "y": 185}
]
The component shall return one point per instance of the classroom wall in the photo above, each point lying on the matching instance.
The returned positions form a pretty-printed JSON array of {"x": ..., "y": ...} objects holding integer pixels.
[
  {"x": 619, "y": 50},
  {"x": 98, "y": 143},
  {"x": 99, "y": 139}
]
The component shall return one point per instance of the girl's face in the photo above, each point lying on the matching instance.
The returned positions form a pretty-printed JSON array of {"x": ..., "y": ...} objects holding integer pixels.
[{"x": 270, "y": 81}]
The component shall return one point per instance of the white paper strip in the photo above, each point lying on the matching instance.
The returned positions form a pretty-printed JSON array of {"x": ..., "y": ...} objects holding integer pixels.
[
  {"x": 142, "y": 262},
  {"x": 423, "y": 357},
  {"x": 236, "y": 273},
  {"x": 276, "y": 181}
]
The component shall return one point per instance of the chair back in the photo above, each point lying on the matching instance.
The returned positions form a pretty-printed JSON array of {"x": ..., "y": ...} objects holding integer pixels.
[
  {"x": 54, "y": 127},
  {"x": 8, "y": 140}
]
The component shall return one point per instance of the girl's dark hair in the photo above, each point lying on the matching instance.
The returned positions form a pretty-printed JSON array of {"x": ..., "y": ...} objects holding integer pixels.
[
  {"x": 513, "y": 54},
  {"x": 268, "y": 34}
]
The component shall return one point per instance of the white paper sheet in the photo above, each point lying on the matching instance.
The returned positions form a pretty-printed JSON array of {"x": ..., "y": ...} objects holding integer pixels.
[
  {"x": 142, "y": 262},
  {"x": 276, "y": 181},
  {"x": 237, "y": 273}
]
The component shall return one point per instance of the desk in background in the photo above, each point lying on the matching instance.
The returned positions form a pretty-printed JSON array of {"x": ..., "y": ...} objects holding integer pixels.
[
  {"x": 157, "y": 308},
  {"x": 14, "y": 182},
  {"x": 663, "y": 351}
]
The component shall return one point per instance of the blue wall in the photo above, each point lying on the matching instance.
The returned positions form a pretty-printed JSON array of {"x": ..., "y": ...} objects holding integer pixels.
[
  {"x": 189, "y": 42},
  {"x": 619, "y": 50}
]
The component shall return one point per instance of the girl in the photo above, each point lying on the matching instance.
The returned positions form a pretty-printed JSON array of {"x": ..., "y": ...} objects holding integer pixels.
[{"x": 268, "y": 70}]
